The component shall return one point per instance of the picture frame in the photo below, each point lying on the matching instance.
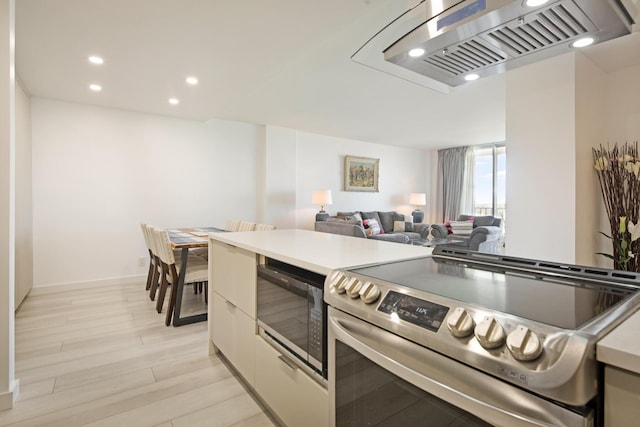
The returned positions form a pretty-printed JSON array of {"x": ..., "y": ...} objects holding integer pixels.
[{"x": 361, "y": 174}]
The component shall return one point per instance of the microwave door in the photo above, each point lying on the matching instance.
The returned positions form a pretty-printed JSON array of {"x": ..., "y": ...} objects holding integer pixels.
[{"x": 316, "y": 313}]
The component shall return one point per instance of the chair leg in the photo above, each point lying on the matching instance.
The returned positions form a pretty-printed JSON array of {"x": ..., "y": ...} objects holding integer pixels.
[
  {"x": 174, "y": 295},
  {"x": 163, "y": 288},
  {"x": 206, "y": 292},
  {"x": 150, "y": 273},
  {"x": 155, "y": 280}
]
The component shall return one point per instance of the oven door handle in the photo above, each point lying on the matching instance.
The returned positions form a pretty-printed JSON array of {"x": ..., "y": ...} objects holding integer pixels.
[{"x": 486, "y": 397}]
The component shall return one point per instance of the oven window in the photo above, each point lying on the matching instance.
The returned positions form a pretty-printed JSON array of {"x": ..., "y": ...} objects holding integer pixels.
[{"x": 368, "y": 395}]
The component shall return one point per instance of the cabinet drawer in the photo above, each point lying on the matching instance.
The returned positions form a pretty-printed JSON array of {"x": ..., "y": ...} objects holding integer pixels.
[
  {"x": 621, "y": 397},
  {"x": 232, "y": 272},
  {"x": 234, "y": 333},
  {"x": 297, "y": 399}
]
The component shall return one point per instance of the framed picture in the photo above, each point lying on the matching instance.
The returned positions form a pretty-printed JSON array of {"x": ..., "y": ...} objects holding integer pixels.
[{"x": 361, "y": 174}]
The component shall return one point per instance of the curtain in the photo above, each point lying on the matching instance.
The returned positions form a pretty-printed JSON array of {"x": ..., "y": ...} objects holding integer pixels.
[
  {"x": 451, "y": 181},
  {"x": 467, "y": 201}
]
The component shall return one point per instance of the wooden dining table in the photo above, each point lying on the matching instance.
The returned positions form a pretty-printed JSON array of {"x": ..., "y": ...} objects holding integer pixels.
[{"x": 185, "y": 239}]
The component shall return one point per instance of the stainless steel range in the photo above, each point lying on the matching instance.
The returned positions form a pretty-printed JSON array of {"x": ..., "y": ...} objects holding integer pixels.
[{"x": 464, "y": 338}]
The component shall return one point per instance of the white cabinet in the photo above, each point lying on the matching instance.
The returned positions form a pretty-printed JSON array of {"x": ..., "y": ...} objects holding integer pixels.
[
  {"x": 234, "y": 335},
  {"x": 232, "y": 272},
  {"x": 296, "y": 398},
  {"x": 621, "y": 397},
  {"x": 232, "y": 305}
]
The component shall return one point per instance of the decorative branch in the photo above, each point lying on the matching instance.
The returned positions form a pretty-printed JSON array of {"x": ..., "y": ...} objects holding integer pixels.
[{"x": 618, "y": 171}]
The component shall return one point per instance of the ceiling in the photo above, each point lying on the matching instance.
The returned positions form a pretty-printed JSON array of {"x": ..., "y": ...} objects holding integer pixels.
[{"x": 279, "y": 62}]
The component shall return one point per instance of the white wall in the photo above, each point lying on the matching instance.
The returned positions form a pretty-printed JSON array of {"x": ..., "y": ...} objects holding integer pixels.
[
  {"x": 321, "y": 166},
  {"x": 278, "y": 155},
  {"x": 97, "y": 173},
  {"x": 8, "y": 385},
  {"x": 623, "y": 106},
  {"x": 541, "y": 169},
  {"x": 591, "y": 91},
  {"x": 24, "y": 199}
]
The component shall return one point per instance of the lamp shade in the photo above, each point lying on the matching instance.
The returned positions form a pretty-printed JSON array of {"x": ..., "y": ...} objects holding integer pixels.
[
  {"x": 418, "y": 199},
  {"x": 321, "y": 197}
]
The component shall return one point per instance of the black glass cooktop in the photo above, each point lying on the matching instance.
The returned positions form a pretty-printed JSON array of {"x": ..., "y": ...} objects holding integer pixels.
[{"x": 563, "y": 303}]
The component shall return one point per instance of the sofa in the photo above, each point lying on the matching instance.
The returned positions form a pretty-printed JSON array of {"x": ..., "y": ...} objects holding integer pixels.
[
  {"x": 394, "y": 227},
  {"x": 484, "y": 234}
]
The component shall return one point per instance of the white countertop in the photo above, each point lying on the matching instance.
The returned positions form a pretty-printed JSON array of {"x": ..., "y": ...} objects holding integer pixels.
[
  {"x": 320, "y": 252},
  {"x": 621, "y": 348}
]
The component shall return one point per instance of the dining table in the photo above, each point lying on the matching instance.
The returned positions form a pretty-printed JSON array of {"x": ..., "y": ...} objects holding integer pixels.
[{"x": 186, "y": 239}]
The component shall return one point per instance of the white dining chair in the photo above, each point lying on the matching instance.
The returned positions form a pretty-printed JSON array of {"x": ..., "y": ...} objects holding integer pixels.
[
  {"x": 197, "y": 273},
  {"x": 153, "y": 267},
  {"x": 232, "y": 225},
  {"x": 246, "y": 226}
]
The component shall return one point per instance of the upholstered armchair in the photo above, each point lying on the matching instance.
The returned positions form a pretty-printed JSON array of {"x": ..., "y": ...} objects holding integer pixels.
[{"x": 485, "y": 235}]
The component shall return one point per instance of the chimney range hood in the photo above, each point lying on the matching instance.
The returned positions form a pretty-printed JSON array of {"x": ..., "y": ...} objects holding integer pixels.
[{"x": 462, "y": 38}]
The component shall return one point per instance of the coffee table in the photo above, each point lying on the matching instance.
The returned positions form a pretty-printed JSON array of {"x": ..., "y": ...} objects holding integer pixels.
[{"x": 435, "y": 242}]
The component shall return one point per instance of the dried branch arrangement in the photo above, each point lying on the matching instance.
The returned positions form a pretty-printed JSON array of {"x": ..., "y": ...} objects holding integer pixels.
[{"x": 618, "y": 171}]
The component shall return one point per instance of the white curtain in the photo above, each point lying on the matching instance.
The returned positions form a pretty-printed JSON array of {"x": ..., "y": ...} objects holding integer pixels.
[
  {"x": 468, "y": 187},
  {"x": 452, "y": 181}
]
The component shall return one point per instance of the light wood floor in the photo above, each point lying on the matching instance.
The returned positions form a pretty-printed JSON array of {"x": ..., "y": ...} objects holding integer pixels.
[{"x": 102, "y": 356}]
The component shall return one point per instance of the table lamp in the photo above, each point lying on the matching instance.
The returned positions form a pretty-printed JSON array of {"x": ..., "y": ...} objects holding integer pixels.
[
  {"x": 321, "y": 197},
  {"x": 418, "y": 199}
]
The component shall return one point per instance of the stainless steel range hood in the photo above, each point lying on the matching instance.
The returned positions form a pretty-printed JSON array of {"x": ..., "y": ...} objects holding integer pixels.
[{"x": 486, "y": 37}]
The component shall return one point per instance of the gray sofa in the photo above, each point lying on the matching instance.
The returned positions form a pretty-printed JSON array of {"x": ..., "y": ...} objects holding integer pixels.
[
  {"x": 348, "y": 224},
  {"x": 485, "y": 237}
]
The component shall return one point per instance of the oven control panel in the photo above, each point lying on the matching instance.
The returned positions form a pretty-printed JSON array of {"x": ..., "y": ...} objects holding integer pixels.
[{"x": 414, "y": 310}]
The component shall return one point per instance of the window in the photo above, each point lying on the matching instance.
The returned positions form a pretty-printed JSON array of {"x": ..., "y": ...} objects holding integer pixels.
[{"x": 489, "y": 197}]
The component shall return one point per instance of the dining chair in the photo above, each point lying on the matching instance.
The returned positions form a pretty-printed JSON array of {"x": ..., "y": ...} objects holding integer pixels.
[
  {"x": 246, "y": 226},
  {"x": 264, "y": 227},
  {"x": 197, "y": 272},
  {"x": 152, "y": 262},
  {"x": 232, "y": 225}
]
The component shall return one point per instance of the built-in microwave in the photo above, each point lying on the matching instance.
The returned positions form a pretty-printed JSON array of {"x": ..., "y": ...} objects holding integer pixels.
[{"x": 292, "y": 312}]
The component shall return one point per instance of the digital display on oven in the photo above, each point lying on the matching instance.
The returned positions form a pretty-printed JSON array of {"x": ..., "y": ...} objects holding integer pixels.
[{"x": 419, "y": 312}]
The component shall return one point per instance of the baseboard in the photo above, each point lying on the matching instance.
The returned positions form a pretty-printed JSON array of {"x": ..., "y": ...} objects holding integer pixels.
[
  {"x": 8, "y": 398},
  {"x": 57, "y": 287}
]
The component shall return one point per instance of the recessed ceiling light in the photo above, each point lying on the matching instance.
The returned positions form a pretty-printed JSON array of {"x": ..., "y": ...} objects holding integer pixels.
[
  {"x": 192, "y": 81},
  {"x": 583, "y": 42},
  {"x": 414, "y": 53},
  {"x": 96, "y": 60},
  {"x": 534, "y": 3},
  {"x": 173, "y": 101},
  {"x": 471, "y": 77},
  {"x": 95, "y": 87}
]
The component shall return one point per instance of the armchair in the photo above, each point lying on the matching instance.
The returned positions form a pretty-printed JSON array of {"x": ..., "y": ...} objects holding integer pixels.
[{"x": 485, "y": 237}]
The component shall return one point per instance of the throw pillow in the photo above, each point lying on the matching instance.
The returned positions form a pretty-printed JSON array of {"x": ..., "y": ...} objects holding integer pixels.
[
  {"x": 345, "y": 215},
  {"x": 461, "y": 228},
  {"x": 386, "y": 220},
  {"x": 356, "y": 216},
  {"x": 372, "y": 227},
  {"x": 402, "y": 226},
  {"x": 373, "y": 215}
]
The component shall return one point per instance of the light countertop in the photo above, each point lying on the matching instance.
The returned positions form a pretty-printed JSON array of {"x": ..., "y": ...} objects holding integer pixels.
[
  {"x": 621, "y": 348},
  {"x": 320, "y": 252}
]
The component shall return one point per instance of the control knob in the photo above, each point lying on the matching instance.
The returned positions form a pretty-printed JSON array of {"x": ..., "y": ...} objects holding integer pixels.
[
  {"x": 369, "y": 293},
  {"x": 524, "y": 344},
  {"x": 341, "y": 284},
  {"x": 460, "y": 323},
  {"x": 353, "y": 288},
  {"x": 489, "y": 333}
]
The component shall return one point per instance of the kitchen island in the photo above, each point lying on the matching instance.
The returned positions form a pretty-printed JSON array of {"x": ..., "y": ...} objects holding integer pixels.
[
  {"x": 620, "y": 352},
  {"x": 292, "y": 395}
]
